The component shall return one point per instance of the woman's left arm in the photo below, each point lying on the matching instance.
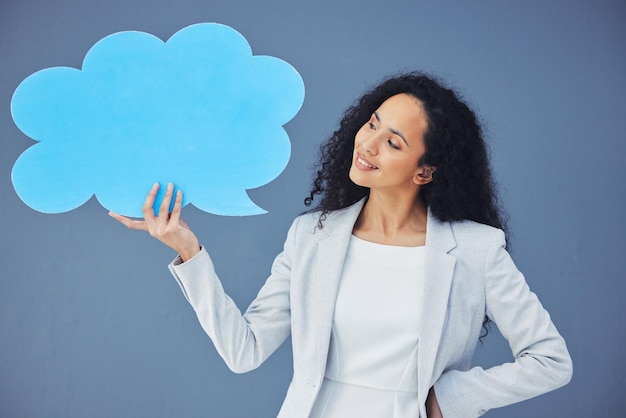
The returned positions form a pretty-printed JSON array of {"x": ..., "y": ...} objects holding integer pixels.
[{"x": 542, "y": 362}]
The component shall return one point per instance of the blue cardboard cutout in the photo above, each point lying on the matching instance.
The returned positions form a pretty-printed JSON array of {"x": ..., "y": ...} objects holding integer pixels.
[{"x": 198, "y": 110}]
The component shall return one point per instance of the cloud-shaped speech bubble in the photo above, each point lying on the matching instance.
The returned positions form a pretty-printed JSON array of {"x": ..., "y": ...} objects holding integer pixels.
[{"x": 198, "y": 110}]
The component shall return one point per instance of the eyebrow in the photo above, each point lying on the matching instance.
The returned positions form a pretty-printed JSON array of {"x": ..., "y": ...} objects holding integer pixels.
[{"x": 393, "y": 131}]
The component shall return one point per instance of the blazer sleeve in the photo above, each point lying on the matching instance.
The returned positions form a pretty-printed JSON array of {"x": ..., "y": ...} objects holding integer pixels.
[
  {"x": 243, "y": 341},
  {"x": 541, "y": 360}
]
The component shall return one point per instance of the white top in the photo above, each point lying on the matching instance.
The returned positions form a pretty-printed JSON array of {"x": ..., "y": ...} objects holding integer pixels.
[{"x": 372, "y": 360}]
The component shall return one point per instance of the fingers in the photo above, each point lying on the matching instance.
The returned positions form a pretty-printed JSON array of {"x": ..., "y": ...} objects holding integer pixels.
[
  {"x": 128, "y": 222},
  {"x": 148, "y": 211},
  {"x": 178, "y": 204},
  {"x": 168, "y": 228},
  {"x": 164, "y": 209},
  {"x": 159, "y": 225}
]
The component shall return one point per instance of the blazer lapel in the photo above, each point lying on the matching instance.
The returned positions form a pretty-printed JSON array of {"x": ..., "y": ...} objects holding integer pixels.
[
  {"x": 331, "y": 253},
  {"x": 438, "y": 273},
  {"x": 439, "y": 269}
]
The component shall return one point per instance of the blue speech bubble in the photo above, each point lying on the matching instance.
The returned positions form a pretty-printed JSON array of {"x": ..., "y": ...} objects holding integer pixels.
[{"x": 198, "y": 110}]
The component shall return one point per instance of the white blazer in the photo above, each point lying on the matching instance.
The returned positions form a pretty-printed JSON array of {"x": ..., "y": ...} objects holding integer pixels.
[{"x": 468, "y": 275}]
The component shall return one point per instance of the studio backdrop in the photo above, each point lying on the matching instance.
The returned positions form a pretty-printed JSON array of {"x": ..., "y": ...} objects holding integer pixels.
[{"x": 93, "y": 325}]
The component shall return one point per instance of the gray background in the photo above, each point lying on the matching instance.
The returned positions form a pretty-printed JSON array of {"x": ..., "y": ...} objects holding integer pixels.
[{"x": 91, "y": 324}]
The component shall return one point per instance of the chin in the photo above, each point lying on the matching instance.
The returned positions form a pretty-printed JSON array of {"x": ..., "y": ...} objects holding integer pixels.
[{"x": 355, "y": 178}]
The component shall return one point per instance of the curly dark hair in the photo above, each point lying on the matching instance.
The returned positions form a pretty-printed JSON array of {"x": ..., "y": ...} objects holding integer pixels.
[{"x": 462, "y": 186}]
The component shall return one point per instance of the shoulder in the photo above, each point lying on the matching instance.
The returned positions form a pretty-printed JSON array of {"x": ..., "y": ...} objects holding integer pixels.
[
  {"x": 305, "y": 235},
  {"x": 305, "y": 222},
  {"x": 478, "y": 247},
  {"x": 476, "y": 235},
  {"x": 337, "y": 221},
  {"x": 466, "y": 229}
]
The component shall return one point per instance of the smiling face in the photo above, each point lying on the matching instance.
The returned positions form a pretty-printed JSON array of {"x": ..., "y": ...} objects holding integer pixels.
[{"x": 388, "y": 147}]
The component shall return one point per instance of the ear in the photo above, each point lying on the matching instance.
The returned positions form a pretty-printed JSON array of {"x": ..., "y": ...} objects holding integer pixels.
[{"x": 424, "y": 175}]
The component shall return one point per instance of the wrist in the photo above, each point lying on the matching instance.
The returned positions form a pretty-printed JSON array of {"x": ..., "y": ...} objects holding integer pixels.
[{"x": 188, "y": 253}]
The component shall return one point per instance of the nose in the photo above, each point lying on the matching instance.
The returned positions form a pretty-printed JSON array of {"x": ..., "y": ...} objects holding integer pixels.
[{"x": 371, "y": 143}]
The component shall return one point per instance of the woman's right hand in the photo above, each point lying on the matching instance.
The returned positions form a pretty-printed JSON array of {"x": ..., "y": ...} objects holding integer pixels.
[{"x": 168, "y": 228}]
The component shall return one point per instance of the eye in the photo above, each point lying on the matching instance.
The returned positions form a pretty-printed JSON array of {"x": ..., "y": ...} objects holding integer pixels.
[
  {"x": 371, "y": 125},
  {"x": 392, "y": 145}
]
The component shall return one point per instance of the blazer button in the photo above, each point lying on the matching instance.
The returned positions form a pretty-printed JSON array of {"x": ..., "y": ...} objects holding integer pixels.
[{"x": 481, "y": 412}]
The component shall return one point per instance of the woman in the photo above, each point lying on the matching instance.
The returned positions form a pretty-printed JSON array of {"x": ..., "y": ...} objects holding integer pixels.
[{"x": 385, "y": 287}]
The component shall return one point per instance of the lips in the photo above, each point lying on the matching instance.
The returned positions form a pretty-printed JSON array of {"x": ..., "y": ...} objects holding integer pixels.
[{"x": 363, "y": 164}]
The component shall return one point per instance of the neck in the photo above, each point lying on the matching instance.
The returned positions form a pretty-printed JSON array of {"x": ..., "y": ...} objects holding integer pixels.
[{"x": 392, "y": 219}]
